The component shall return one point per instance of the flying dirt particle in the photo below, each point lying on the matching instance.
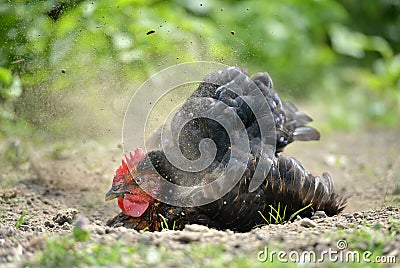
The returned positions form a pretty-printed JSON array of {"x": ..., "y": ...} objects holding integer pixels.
[
  {"x": 151, "y": 32},
  {"x": 232, "y": 32},
  {"x": 63, "y": 71}
]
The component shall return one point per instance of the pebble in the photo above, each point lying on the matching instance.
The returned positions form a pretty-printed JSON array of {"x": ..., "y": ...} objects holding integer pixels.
[
  {"x": 99, "y": 230},
  {"x": 320, "y": 214},
  {"x": 306, "y": 222},
  {"x": 261, "y": 237}
]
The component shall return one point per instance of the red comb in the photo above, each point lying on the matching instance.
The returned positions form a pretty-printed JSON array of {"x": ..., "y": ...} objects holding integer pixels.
[{"x": 131, "y": 162}]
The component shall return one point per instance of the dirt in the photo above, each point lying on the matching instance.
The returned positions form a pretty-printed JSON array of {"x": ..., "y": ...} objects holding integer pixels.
[{"x": 56, "y": 185}]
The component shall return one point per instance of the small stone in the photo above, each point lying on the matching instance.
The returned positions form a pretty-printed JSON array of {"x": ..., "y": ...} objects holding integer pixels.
[
  {"x": 99, "y": 230},
  {"x": 320, "y": 214},
  {"x": 298, "y": 218},
  {"x": 306, "y": 222},
  {"x": 261, "y": 237}
]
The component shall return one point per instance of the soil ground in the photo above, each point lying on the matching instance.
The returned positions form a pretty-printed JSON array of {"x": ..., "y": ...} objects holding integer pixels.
[{"x": 59, "y": 182}]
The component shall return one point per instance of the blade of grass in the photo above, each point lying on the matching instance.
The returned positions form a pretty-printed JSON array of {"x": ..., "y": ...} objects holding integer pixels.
[
  {"x": 262, "y": 216},
  {"x": 300, "y": 210}
]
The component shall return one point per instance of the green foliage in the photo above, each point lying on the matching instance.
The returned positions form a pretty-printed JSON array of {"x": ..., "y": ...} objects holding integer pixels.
[
  {"x": 10, "y": 89},
  {"x": 394, "y": 226},
  {"x": 54, "y": 54},
  {"x": 67, "y": 252},
  {"x": 371, "y": 239},
  {"x": 81, "y": 234}
]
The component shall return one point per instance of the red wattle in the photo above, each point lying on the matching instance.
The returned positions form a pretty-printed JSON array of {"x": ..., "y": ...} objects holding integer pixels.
[{"x": 132, "y": 205}]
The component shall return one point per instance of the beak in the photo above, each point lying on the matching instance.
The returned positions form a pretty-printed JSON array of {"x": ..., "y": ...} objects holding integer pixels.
[{"x": 112, "y": 194}]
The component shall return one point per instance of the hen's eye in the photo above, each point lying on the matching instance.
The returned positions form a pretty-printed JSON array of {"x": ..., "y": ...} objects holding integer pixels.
[{"x": 139, "y": 180}]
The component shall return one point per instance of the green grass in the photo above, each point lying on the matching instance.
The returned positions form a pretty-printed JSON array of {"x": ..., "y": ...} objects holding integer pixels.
[
  {"x": 22, "y": 219},
  {"x": 164, "y": 223},
  {"x": 369, "y": 238},
  {"x": 278, "y": 215},
  {"x": 394, "y": 227},
  {"x": 69, "y": 252}
]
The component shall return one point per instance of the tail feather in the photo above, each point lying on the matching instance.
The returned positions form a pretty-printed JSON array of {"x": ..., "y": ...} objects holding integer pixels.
[
  {"x": 305, "y": 134},
  {"x": 302, "y": 119},
  {"x": 306, "y": 189}
]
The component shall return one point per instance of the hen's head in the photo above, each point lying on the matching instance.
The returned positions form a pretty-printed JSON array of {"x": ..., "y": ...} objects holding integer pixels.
[{"x": 128, "y": 185}]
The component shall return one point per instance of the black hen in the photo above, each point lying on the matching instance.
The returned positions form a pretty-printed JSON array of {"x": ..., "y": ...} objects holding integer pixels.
[{"x": 227, "y": 107}]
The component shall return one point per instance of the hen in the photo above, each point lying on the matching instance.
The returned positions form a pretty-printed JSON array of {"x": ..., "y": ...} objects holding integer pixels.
[{"x": 226, "y": 103}]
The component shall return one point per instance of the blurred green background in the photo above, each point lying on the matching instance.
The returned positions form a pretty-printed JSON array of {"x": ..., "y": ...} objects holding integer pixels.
[{"x": 69, "y": 68}]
